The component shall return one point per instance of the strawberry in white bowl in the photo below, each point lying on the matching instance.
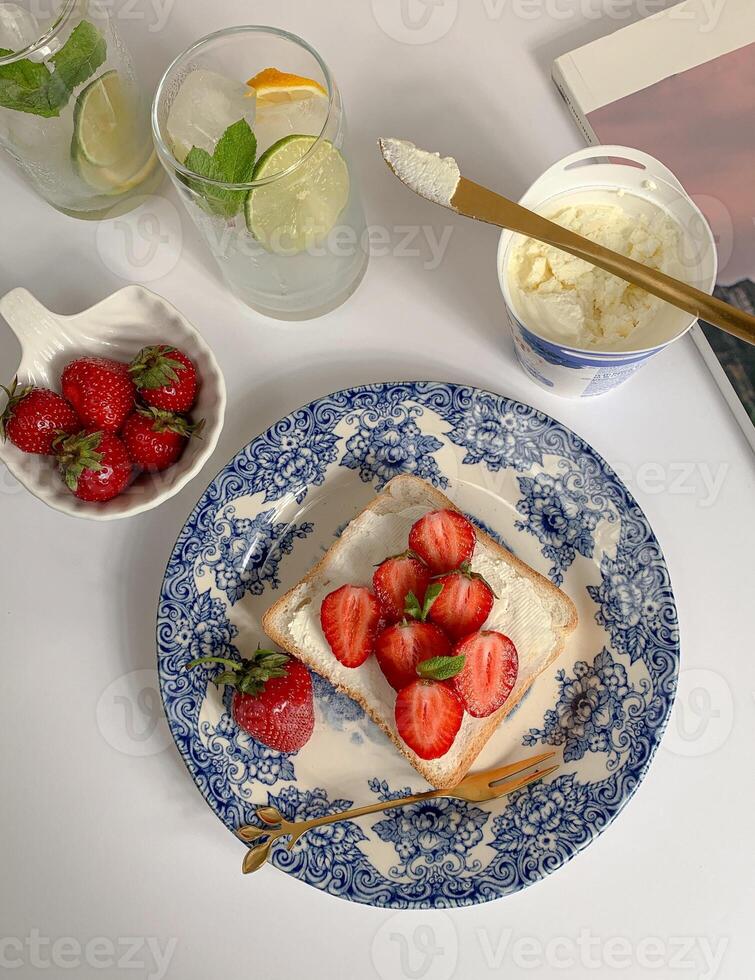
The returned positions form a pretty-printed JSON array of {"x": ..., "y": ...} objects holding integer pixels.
[{"x": 83, "y": 363}]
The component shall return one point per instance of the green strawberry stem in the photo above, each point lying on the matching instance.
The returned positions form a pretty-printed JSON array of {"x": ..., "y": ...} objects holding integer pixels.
[
  {"x": 163, "y": 421},
  {"x": 466, "y": 569},
  {"x": 154, "y": 368},
  {"x": 404, "y": 554},
  {"x": 247, "y": 676},
  {"x": 15, "y": 395},
  {"x": 77, "y": 453}
]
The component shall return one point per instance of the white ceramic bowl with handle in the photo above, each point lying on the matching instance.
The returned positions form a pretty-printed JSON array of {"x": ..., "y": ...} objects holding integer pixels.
[{"x": 118, "y": 327}]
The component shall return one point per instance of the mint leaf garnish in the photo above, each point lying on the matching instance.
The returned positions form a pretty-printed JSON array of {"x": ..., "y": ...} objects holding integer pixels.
[
  {"x": 441, "y": 668},
  {"x": 27, "y": 86},
  {"x": 412, "y": 608},
  {"x": 78, "y": 59},
  {"x": 232, "y": 162},
  {"x": 430, "y": 596},
  {"x": 236, "y": 152},
  {"x": 24, "y": 86}
]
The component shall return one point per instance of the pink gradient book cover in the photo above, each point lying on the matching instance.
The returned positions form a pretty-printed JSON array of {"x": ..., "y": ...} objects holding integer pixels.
[{"x": 699, "y": 120}]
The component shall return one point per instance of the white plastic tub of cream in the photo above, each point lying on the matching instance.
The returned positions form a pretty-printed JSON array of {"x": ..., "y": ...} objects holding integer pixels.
[{"x": 561, "y": 342}]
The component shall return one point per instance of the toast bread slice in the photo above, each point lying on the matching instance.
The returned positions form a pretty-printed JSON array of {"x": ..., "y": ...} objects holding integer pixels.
[{"x": 536, "y": 615}]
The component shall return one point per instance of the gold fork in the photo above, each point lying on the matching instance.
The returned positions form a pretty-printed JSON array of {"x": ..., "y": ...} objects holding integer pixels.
[{"x": 478, "y": 788}]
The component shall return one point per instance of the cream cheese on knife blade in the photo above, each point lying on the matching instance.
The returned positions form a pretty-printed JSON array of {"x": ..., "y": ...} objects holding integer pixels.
[{"x": 428, "y": 174}]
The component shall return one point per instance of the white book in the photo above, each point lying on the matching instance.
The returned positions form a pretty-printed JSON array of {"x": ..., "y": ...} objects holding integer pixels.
[{"x": 680, "y": 85}]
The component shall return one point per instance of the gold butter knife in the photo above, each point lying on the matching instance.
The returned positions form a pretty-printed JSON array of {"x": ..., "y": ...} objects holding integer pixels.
[{"x": 439, "y": 180}]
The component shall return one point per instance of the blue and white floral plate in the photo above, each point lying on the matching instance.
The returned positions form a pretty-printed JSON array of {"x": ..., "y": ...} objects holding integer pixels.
[{"x": 272, "y": 512}]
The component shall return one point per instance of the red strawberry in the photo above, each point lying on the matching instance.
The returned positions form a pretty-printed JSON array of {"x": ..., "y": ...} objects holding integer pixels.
[
  {"x": 443, "y": 539},
  {"x": 272, "y": 698},
  {"x": 33, "y": 417},
  {"x": 395, "y": 579},
  {"x": 156, "y": 439},
  {"x": 100, "y": 390},
  {"x": 166, "y": 378},
  {"x": 464, "y": 603},
  {"x": 95, "y": 465},
  {"x": 400, "y": 648},
  {"x": 428, "y": 717},
  {"x": 350, "y": 619},
  {"x": 489, "y": 673}
]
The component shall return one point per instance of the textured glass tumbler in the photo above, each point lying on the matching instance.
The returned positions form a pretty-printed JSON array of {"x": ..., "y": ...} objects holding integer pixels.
[
  {"x": 72, "y": 115},
  {"x": 269, "y": 261}
]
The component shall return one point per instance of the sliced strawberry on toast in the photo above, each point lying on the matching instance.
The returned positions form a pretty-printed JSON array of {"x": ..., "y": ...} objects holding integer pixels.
[
  {"x": 464, "y": 603},
  {"x": 395, "y": 578},
  {"x": 428, "y": 712},
  {"x": 401, "y": 647},
  {"x": 491, "y": 666},
  {"x": 350, "y": 619},
  {"x": 443, "y": 539}
]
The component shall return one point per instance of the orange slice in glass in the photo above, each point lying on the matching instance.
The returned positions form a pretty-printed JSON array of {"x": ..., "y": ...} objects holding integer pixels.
[{"x": 273, "y": 86}]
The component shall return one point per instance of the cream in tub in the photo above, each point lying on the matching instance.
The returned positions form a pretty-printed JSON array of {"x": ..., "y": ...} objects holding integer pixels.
[{"x": 577, "y": 331}]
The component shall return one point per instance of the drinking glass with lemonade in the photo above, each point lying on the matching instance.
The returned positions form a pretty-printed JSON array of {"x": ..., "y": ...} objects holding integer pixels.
[
  {"x": 249, "y": 124},
  {"x": 72, "y": 115}
]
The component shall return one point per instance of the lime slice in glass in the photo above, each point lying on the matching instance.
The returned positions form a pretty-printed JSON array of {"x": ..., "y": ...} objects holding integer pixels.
[
  {"x": 299, "y": 209},
  {"x": 114, "y": 180},
  {"x": 104, "y": 122}
]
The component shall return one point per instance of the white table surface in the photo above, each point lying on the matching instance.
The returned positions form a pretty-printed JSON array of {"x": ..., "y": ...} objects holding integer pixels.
[{"x": 103, "y": 836}]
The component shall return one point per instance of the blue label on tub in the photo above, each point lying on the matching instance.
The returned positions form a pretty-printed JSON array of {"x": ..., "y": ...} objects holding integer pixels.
[
  {"x": 605, "y": 379},
  {"x": 572, "y": 373},
  {"x": 567, "y": 357}
]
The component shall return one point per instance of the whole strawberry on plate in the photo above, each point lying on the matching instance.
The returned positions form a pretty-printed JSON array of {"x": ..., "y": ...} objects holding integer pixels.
[
  {"x": 94, "y": 465},
  {"x": 100, "y": 390},
  {"x": 155, "y": 439},
  {"x": 464, "y": 602},
  {"x": 491, "y": 666},
  {"x": 429, "y": 713},
  {"x": 166, "y": 378},
  {"x": 395, "y": 578},
  {"x": 350, "y": 618},
  {"x": 443, "y": 539},
  {"x": 272, "y": 697},
  {"x": 34, "y": 416},
  {"x": 402, "y": 647}
]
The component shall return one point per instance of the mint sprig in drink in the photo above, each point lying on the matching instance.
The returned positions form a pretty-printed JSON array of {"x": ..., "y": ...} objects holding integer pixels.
[
  {"x": 71, "y": 112},
  {"x": 249, "y": 124}
]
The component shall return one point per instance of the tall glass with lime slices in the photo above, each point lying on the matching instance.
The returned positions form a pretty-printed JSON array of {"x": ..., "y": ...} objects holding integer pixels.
[
  {"x": 71, "y": 112},
  {"x": 249, "y": 124}
]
